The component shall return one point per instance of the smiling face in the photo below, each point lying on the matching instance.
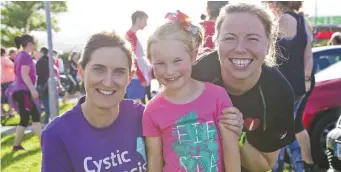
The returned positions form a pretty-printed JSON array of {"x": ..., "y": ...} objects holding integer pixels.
[
  {"x": 172, "y": 63},
  {"x": 106, "y": 77},
  {"x": 243, "y": 44}
]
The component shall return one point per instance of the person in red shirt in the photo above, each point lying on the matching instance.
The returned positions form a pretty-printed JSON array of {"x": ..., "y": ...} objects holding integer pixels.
[
  {"x": 141, "y": 78},
  {"x": 213, "y": 9}
]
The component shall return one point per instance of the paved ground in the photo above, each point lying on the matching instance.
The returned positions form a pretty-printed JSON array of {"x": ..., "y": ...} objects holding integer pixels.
[{"x": 11, "y": 129}]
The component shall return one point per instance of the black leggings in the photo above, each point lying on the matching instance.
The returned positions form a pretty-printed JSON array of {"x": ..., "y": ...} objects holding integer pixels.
[
  {"x": 26, "y": 107},
  {"x": 74, "y": 85}
]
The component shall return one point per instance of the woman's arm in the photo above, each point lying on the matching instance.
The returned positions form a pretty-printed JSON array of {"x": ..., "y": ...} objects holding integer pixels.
[
  {"x": 229, "y": 139},
  {"x": 231, "y": 153},
  {"x": 154, "y": 154},
  {"x": 25, "y": 70},
  {"x": 251, "y": 158},
  {"x": 308, "y": 54},
  {"x": 254, "y": 160}
]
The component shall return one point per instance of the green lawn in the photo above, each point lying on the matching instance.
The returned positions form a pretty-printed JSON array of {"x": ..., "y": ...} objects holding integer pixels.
[
  {"x": 23, "y": 161},
  {"x": 13, "y": 121}
]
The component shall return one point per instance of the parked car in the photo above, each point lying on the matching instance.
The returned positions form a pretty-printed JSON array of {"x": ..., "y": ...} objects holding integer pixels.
[
  {"x": 326, "y": 56},
  {"x": 324, "y": 104}
]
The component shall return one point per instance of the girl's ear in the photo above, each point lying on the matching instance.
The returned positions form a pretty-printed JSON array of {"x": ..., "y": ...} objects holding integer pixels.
[{"x": 80, "y": 71}]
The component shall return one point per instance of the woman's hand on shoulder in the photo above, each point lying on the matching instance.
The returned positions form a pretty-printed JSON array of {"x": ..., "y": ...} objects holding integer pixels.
[{"x": 231, "y": 119}]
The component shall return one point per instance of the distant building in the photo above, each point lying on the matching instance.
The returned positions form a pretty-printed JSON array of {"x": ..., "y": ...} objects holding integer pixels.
[{"x": 325, "y": 26}]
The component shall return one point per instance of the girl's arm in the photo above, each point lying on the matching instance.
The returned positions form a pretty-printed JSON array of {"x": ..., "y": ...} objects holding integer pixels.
[
  {"x": 154, "y": 154},
  {"x": 229, "y": 139},
  {"x": 152, "y": 134},
  {"x": 231, "y": 153}
]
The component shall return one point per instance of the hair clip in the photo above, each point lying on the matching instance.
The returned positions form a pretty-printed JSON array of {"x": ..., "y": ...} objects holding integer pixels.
[{"x": 183, "y": 19}]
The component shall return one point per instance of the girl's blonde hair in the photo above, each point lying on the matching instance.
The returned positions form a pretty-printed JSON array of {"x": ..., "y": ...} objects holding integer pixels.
[
  {"x": 176, "y": 31},
  {"x": 264, "y": 15}
]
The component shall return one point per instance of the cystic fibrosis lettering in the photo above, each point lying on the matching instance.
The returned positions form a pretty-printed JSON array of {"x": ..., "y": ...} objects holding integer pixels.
[
  {"x": 197, "y": 145},
  {"x": 115, "y": 159}
]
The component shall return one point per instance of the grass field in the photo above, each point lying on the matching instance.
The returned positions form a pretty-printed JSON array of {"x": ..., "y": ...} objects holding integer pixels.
[
  {"x": 22, "y": 161},
  {"x": 14, "y": 121}
]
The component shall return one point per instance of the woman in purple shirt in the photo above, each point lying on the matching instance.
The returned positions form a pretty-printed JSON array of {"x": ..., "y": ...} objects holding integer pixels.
[
  {"x": 102, "y": 132},
  {"x": 22, "y": 90}
]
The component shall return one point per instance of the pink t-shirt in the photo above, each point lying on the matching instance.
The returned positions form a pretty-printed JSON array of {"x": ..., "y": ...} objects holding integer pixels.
[
  {"x": 7, "y": 70},
  {"x": 191, "y": 141}
]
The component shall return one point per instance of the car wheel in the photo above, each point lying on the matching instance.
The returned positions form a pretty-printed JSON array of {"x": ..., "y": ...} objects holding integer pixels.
[{"x": 319, "y": 132}]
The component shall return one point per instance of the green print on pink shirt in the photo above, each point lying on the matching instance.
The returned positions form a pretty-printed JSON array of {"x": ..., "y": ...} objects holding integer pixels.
[{"x": 197, "y": 145}]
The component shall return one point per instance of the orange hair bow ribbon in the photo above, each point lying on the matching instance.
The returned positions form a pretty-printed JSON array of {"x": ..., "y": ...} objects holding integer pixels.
[{"x": 182, "y": 19}]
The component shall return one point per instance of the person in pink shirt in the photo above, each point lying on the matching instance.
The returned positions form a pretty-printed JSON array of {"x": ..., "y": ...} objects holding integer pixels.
[
  {"x": 12, "y": 52},
  {"x": 182, "y": 123},
  {"x": 7, "y": 77}
]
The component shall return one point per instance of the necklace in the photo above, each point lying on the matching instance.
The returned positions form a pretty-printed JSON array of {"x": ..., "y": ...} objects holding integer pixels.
[{"x": 264, "y": 107}]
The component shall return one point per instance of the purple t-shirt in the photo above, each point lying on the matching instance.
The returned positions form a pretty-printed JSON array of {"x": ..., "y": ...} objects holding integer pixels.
[
  {"x": 23, "y": 58},
  {"x": 71, "y": 143}
]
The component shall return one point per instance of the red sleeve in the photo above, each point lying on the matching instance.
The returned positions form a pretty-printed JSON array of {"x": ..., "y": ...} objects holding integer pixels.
[
  {"x": 139, "y": 73},
  {"x": 131, "y": 37}
]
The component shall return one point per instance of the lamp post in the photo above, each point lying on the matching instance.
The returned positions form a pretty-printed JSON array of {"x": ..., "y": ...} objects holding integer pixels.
[{"x": 52, "y": 84}]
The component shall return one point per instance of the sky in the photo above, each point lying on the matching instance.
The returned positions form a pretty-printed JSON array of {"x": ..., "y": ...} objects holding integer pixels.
[{"x": 86, "y": 17}]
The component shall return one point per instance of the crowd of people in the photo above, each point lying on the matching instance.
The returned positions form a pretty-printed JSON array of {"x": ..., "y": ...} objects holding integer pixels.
[{"x": 232, "y": 94}]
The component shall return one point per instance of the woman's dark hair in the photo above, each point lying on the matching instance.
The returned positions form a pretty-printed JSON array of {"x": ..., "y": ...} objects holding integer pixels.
[
  {"x": 71, "y": 55},
  {"x": 213, "y": 8},
  {"x": 23, "y": 40},
  {"x": 203, "y": 17},
  {"x": 105, "y": 39},
  {"x": 138, "y": 15},
  {"x": 44, "y": 50},
  {"x": 3, "y": 51},
  {"x": 292, "y": 5}
]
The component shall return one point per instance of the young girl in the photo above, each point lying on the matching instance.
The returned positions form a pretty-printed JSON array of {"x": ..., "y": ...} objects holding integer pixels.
[{"x": 181, "y": 122}]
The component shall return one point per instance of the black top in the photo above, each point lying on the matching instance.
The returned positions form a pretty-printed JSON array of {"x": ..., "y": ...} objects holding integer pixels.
[
  {"x": 270, "y": 125},
  {"x": 42, "y": 69},
  {"x": 73, "y": 68},
  {"x": 292, "y": 50}
]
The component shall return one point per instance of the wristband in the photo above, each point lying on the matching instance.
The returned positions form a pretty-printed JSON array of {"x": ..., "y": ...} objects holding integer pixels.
[
  {"x": 242, "y": 140},
  {"x": 307, "y": 78}
]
